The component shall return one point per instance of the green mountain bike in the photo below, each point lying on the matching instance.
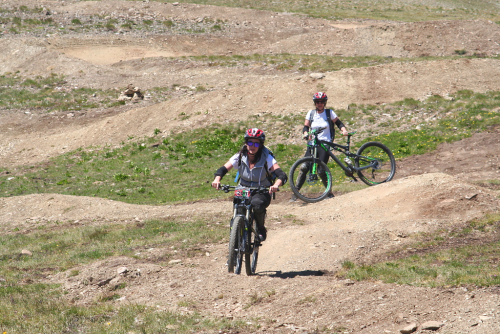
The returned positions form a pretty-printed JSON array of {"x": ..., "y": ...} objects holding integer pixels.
[{"x": 311, "y": 180}]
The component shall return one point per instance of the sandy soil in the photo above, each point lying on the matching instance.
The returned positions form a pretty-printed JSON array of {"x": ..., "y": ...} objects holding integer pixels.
[{"x": 295, "y": 286}]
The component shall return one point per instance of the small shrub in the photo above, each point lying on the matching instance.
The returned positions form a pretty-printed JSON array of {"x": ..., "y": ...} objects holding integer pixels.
[
  {"x": 348, "y": 264},
  {"x": 110, "y": 26},
  {"x": 168, "y": 23},
  {"x": 120, "y": 286},
  {"x": 120, "y": 177}
]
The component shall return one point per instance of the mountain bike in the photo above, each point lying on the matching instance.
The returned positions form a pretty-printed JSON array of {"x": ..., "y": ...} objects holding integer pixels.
[
  {"x": 311, "y": 180},
  {"x": 244, "y": 238}
]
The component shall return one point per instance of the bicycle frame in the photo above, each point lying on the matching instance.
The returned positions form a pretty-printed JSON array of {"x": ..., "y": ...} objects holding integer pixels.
[
  {"x": 244, "y": 208},
  {"x": 345, "y": 149}
]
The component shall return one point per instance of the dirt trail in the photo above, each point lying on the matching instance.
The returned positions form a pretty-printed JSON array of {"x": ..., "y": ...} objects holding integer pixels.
[{"x": 293, "y": 287}]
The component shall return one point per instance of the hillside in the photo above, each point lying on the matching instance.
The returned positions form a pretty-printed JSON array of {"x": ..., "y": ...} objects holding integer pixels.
[{"x": 296, "y": 289}]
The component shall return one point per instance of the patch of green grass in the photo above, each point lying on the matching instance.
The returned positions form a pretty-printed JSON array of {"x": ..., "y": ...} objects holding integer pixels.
[
  {"x": 380, "y": 10},
  {"x": 126, "y": 26},
  {"x": 313, "y": 63},
  {"x": 186, "y": 303},
  {"x": 307, "y": 300},
  {"x": 139, "y": 172},
  {"x": 452, "y": 267},
  {"x": 168, "y": 23},
  {"x": 110, "y": 26},
  {"x": 45, "y": 93},
  {"x": 39, "y": 308},
  {"x": 65, "y": 247},
  {"x": 444, "y": 259},
  {"x": 495, "y": 182},
  {"x": 256, "y": 299},
  {"x": 32, "y": 19},
  {"x": 457, "y": 118},
  {"x": 53, "y": 93}
]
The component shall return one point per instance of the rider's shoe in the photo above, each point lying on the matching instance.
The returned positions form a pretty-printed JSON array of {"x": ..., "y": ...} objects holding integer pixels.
[
  {"x": 330, "y": 195},
  {"x": 263, "y": 234},
  {"x": 293, "y": 198}
]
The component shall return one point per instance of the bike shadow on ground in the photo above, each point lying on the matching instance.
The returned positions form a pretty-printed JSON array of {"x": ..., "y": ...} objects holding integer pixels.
[{"x": 292, "y": 274}]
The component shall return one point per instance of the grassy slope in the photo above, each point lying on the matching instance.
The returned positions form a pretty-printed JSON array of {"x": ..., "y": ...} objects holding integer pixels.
[
  {"x": 152, "y": 170},
  {"x": 416, "y": 10}
]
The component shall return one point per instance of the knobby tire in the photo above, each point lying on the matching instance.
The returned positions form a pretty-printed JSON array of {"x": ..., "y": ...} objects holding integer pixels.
[
  {"x": 310, "y": 191},
  {"x": 235, "y": 239},
  {"x": 248, "y": 267},
  {"x": 386, "y": 164}
]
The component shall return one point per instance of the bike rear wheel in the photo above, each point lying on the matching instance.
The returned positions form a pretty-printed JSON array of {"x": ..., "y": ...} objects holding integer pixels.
[
  {"x": 310, "y": 184},
  {"x": 235, "y": 256},
  {"x": 248, "y": 255},
  {"x": 382, "y": 159}
]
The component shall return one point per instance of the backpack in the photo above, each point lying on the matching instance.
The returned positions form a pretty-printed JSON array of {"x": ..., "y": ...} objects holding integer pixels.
[{"x": 329, "y": 120}]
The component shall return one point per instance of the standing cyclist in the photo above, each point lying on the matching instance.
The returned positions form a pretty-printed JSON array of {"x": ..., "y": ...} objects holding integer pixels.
[
  {"x": 255, "y": 163},
  {"x": 319, "y": 118}
]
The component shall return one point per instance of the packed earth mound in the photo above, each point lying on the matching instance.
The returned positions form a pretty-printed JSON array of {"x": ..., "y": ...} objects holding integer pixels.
[
  {"x": 296, "y": 288},
  {"x": 295, "y": 285}
]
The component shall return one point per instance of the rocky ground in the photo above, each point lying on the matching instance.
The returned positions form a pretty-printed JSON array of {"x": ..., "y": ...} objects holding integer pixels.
[{"x": 296, "y": 289}]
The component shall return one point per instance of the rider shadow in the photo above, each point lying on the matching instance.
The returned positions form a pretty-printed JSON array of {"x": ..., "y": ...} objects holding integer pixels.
[{"x": 293, "y": 274}]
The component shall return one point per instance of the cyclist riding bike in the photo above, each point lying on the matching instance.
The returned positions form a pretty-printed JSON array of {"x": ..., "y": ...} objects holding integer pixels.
[
  {"x": 319, "y": 118},
  {"x": 255, "y": 163}
]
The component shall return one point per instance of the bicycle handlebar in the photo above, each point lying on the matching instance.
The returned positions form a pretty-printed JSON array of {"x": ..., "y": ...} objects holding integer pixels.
[
  {"x": 317, "y": 131},
  {"x": 253, "y": 190}
]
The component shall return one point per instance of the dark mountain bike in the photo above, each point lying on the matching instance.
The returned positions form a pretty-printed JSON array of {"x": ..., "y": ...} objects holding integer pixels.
[
  {"x": 311, "y": 180},
  {"x": 244, "y": 239}
]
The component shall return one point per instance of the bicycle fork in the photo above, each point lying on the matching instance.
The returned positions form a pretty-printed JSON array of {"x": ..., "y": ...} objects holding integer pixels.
[{"x": 314, "y": 173}]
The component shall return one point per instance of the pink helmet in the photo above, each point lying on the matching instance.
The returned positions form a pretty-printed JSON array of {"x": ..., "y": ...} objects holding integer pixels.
[
  {"x": 255, "y": 133},
  {"x": 320, "y": 96}
]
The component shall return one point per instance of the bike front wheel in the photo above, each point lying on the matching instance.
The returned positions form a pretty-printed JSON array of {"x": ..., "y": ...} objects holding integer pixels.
[
  {"x": 235, "y": 256},
  {"x": 381, "y": 161},
  {"x": 252, "y": 265},
  {"x": 310, "y": 179}
]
